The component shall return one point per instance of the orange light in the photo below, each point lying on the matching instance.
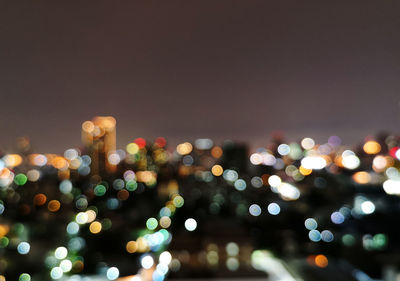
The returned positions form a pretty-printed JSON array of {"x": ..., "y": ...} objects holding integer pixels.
[
  {"x": 217, "y": 170},
  {"x": 305, "y": 171},
  {"x": 123, "y": 194},
  {"x": 12, "y": 160},
  {"x": 95, "y": 227},
  {"x": 265, "y": 178},
  {"x": 4, "y": 229},
  {"x": 54, "y": 206},
  {"x": 5, "y": 173},
  {"x": 216, "y": 152},
  {"x": 77, "y": 266},
  {"x": 372, "y": 147},
  {"x": 321, "y": 261},
  {"x": 59, "y": 162},
  {"x": 131, "y": 247},
  {"x": 362, "y": 177}
]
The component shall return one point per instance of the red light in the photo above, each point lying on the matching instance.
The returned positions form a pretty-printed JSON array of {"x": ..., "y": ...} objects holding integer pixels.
[
  {"x": 161, "y": 142},
  {"x": 393, "y": 151},
  {"x": 141, "y": 142}
]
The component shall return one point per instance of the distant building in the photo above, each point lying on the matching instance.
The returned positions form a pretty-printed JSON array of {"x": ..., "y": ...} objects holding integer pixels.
[{"x": 99, "y": 140}]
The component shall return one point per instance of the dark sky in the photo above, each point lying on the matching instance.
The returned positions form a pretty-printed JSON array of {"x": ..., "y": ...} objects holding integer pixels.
[{"x": 188, "y": 69}]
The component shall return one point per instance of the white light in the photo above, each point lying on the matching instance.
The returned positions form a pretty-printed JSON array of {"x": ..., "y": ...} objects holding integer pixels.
[
  {"x": 66, "y": 186},
  {"x": 203, "y": 144},
  {"x": 351, "y": 162},
  {"x": 23, "y": 248},
  {"x": 255, "y": 210},
  {"x": 268, "y": 159},
  {"x": 307, "y": 143},
  {"x": 56, "y": 273},
  {"x": 232, "y": 264},
  {"x": 392, "y": 187},
  {"x": 327, "y": 236},
  {"x": 256, "y": 159},
  {"x": 379, "y": 162},
  {"x": 71, "y": 154},
  {"x": 311, "y": 224},
  {"x": 190, "y": 224},
  {"x": 147, "y": 262},
  {"x": 274, "y": 209},
  {"x": 165, "y": 258},
  {"x": 274, "y": 181},
  {"x": 81, "y": 218},
  {"x": 283, "y": 149},
  {"x": 313, "y": 162},
  {"x": 288, "y": 191},
  {"x": 397, "y": 154},
  {"x": 61, "y": 253},
  {"x": 114, "y": 158},
  {"x": 367, "y": 207},
  {"x": 112, "y": 273},
  {"x": 66, "y": 265},
  {"x": 232, "y": 249}
]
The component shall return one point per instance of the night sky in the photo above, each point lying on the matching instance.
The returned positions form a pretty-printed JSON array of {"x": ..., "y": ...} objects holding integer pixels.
[{"x": 188, "y": 69}]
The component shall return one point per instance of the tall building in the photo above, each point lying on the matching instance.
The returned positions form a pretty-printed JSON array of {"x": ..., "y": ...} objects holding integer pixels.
[{"x": 99, "y": 140}]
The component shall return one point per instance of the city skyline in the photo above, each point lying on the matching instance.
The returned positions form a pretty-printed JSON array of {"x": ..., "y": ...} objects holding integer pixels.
[{"x": 225, "y": 70}]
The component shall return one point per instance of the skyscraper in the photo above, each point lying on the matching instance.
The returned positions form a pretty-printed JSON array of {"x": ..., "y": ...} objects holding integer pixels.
[{"x": 99, "y": 140}]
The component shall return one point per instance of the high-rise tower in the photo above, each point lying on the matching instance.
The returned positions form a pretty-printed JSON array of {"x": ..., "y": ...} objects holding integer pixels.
[{"x": 99, "y": 139}]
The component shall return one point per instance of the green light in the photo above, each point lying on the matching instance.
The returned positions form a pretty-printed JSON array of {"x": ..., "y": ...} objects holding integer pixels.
[
  {"x": 178, "y": 201},
  {"x": 379, "y": 241},
  {"x": 20, "y": 179},
  {"x": 151, "y": 223},
  {"x": 165, "y": 233},
  {"x": 100, "y": 190},
  {"x": 348, "y": 240},
  {"x": 24, "y": 277},
  {"x": 18, "y": 228},
  {"x": 106, "y": 224},
  {"x": 131, "y": 185},
  {"x": 4, "y": 242}
]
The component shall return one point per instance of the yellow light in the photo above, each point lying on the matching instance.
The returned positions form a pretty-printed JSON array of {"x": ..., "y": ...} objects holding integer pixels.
[
  {"x": 184, "y": 148},
  {"x": 131, "y": 247},
  {"x": 171, "y": 206},
  {"x": 95, "y": 227},
  {"x": 217, "y": 170},
  {"x": 74, "y": 163},
  {"x": 372, "y": 147},
  {"x": 142, "y": 245},
  {"x": 132, "y": 148},
  {"x": 12, "y": 160},
  {"x": 146, "y": 176},
  {"x": 305, "y": 171}
]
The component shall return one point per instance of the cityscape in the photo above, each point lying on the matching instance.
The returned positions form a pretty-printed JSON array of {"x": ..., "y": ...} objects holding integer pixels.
[
  {"x": 223, "y": 140},
  {"x": 151, "y": 211}
]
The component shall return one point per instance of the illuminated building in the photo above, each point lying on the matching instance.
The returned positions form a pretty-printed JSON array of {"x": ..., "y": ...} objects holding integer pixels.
[{"x": 99, "y": 139}]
